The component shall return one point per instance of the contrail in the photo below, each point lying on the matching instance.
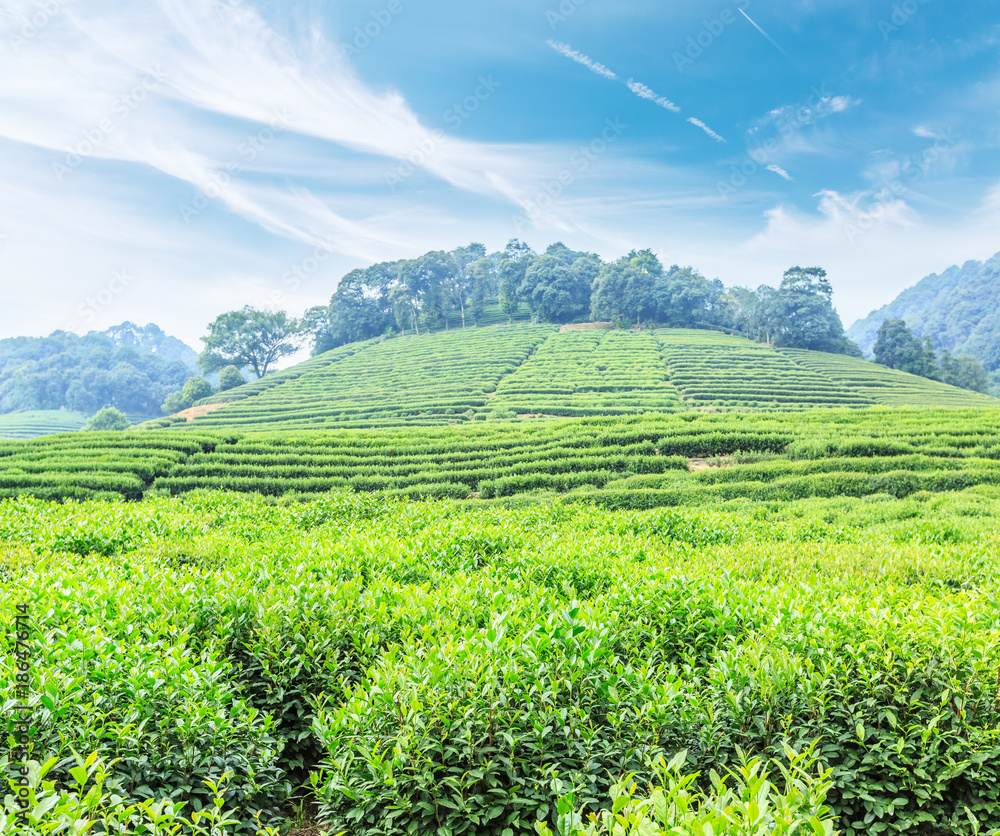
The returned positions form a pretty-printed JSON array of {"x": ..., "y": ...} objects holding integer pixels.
[
  {"x": 637, "y": 87},
  {"x": 774, "y": 43},
  {"x": 643, "y": 92},
  {"x": 580, "y": 58},
  {"x": 698, "y": 123}
]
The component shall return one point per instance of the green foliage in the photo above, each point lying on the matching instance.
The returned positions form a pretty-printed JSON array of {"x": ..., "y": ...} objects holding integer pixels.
[
  {"x": 129, "y": 368},
  {"x": 753, "y": 805},
  {"x": 106, "y": 419},
  {"x": 956, "y": 309},
  {"x": 229, "y": 378},
  {"x": 441, "y": 667},
  {"x": 249, "y": 337},
  {"x": 195, "y": 389},
  {"x": 897, "y": 348}
]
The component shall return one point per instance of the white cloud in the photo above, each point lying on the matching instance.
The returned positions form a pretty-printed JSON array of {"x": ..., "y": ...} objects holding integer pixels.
[
  {"x": 643, "y": 92},
  {"x": 698, "y": 123},
  {"x": 580, "y": 58},
  {"x": 777, "y": 169}
]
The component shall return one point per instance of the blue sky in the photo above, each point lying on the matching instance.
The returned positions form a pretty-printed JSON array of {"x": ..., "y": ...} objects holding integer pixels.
[{"x": 171, "y": 159}]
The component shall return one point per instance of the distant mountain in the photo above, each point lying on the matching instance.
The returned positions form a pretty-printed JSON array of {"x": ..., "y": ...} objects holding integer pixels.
[
  {"x": 150, "y": 339},
  {"x": 959, "y": 309},
  {"x": 129, "y": 367}
]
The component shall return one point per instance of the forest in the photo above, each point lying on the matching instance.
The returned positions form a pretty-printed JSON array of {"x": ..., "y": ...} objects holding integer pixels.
[
  {"x": 562, "y": 285},
  {"x": 128, "y": 367}
]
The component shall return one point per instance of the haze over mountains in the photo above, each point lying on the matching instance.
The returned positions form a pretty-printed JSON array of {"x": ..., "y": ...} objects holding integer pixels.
[{"x": 957, "y": 309}]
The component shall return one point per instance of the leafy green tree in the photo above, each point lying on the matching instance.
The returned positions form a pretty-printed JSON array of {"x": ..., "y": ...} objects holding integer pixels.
[
  {"x": 482, "y": 285},
  {"x": 554, "y": 291},
  {"x": 106, "y": 419},
  {"x": 174, "y": 403},
  {"x": 196, "y": 389},
  {"x": 230, "y": 378},
  {"x": 897, "y": 348},
  {"x": 624, "y": 289},
  {"x": 803, "y": 313},
  {"x": 684, "y": 297},
  {"x": 458, "y": 281},
  {"x": 249, "y": 337},
  {"x": 968, "y": 373},
  {"x": 406, "y": 308},
  {"x": 511, "y": 276}
]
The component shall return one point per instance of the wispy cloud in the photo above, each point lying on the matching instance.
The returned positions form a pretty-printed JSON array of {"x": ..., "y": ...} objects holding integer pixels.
[
  {"x": 777, "y": 169},
  {"x": 637, "y": 87},
  {"x": 705, "y": 128},
  {"x": 812, "y": 110},
  {"x": 643, "y": 92},
  {"x": 580, "y": 58}
]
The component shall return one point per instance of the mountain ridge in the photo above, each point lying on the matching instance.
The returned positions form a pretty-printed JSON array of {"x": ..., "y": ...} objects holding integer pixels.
[{"x": 955, "y": 308}]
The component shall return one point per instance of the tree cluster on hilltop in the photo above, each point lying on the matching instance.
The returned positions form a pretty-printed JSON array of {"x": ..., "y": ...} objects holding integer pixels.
[{"x": 563, "y": 285}]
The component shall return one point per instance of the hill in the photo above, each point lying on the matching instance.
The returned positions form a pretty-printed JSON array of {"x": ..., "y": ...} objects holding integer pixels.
[
  {"x": 957, "y": 309},
  {"x": 530, "y": 371},
  {"x": 129, "y": 367}
]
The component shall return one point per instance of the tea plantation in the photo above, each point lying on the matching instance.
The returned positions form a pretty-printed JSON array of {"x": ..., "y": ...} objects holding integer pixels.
[
  {"x": 714, "y": 588},
  {"x": 534, "y": 371},
  {"x": 198, "y": 662},
  {"x": 38, "y": 422}
]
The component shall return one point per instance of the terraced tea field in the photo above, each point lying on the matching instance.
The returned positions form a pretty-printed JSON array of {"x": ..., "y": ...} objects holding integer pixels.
[
  {"x": 714, "y": 370},
  {"x": 637, "y": 461},
  {"x": 415, "y": 613},
  {"x": 884, "y": 385},
  {"x": 39, "y": 422},
  {"x": 523, "y": 370},
  {"x": 590, "y": 372}
]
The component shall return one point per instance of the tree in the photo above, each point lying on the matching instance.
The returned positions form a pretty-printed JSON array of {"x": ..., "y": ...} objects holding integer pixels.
[
  {"x": 108, "y": 419},
  {"x": 624, "y": 288},
  {"x": 511, "y": 276},
  {"x": 196, "y": 389},
  {"x": 968, "y": 373},
  {"x": 459, "y": 280},
  {"x": 230, "y": 378},
  {"x": 483, "y": 282},
  {"x": 249, "y": 337},
  {"x": 554, "y": 291},
  {"x": 684, "y": 297},
  {"x": 897, "y": 348},
  {"x": 804, "y": 316},
  {"x": 174, "y": 403}
]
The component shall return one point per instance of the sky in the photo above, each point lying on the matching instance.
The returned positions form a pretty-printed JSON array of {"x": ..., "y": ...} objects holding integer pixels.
[{"x": 168, "y": 160}]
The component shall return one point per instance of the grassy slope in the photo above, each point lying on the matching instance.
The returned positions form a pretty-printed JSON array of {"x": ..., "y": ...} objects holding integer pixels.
[
  {"x": 39, "y": 422},
  {"x": 456, "y": 376}
]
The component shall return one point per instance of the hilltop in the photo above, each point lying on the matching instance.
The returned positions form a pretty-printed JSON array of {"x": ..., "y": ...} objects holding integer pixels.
[
  {"x": 956, "y": 309},
  {"x": 532, "y": 371}
]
